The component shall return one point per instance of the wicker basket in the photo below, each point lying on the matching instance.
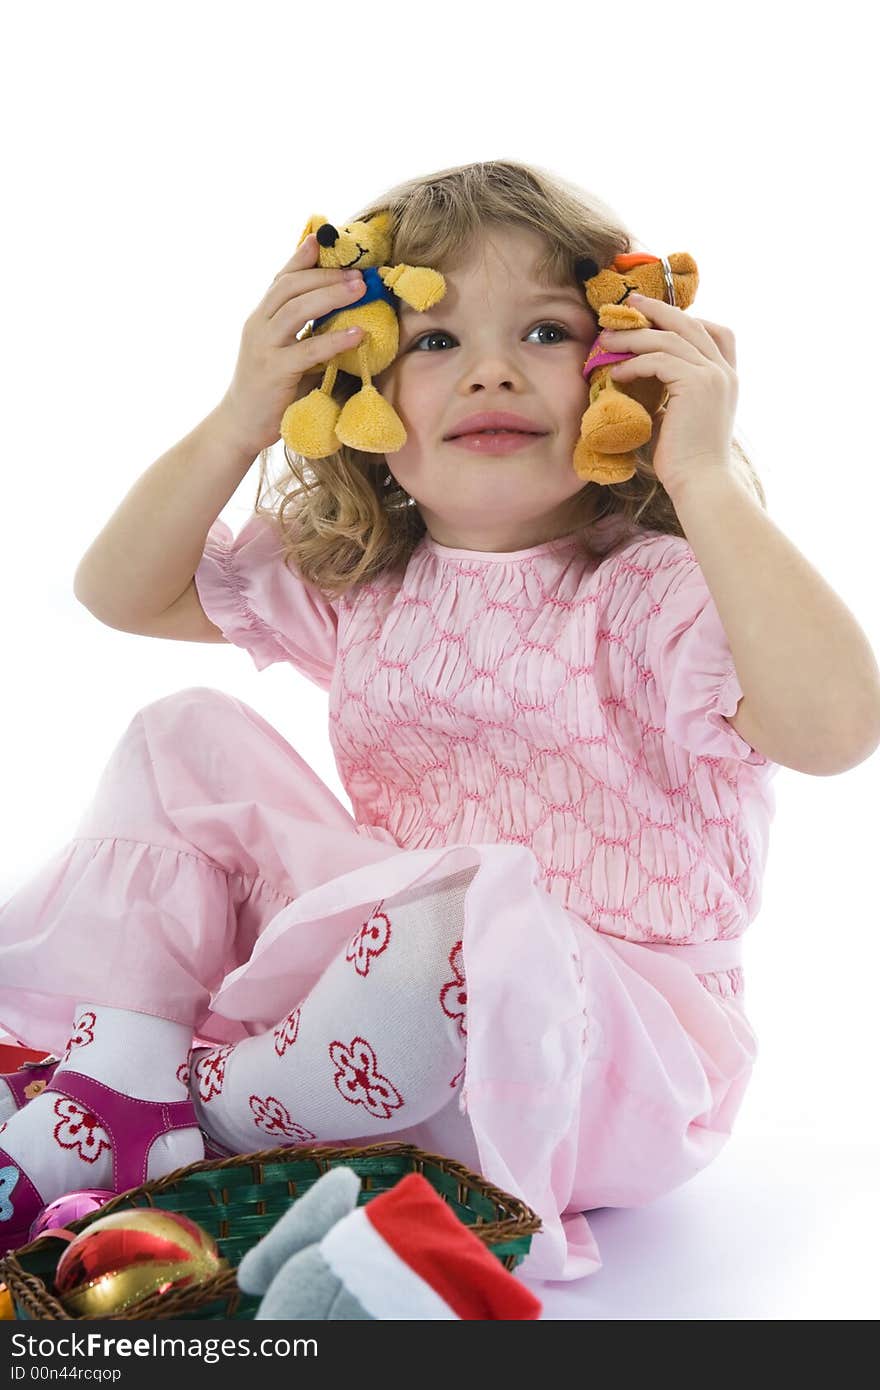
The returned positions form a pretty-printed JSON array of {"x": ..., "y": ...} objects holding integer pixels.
[{"x": 237, "y": 1200}]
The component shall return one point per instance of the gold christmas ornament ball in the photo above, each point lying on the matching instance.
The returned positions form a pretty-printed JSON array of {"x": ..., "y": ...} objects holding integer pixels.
[{"x": 121, "y": 1259}]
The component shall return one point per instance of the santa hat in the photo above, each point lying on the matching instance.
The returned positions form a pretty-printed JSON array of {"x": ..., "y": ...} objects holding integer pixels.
[{"x": 405, "y": 1254}]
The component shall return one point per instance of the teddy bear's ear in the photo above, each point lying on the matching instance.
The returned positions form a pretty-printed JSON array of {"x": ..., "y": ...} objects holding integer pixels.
[
  {"x": 381, "y": 222},
  {"x": 586, "y": 268},
  {"x": 311, "y": 226}
]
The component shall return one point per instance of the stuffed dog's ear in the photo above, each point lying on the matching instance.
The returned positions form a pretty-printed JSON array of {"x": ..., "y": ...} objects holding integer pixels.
[
  {"x": 381, "y": 221},
  {"x": 312, "y": 226},
  {"x": 586, "y": 268}
]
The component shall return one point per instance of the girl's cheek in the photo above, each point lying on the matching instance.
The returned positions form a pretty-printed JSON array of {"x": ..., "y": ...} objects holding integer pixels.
[{"x": 391, "y": 389}]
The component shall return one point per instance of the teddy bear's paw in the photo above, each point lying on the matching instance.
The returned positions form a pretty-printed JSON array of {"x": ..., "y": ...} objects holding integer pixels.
[
  {"x": 308, "y": 426},
  {"x": 421, "y": 287},
  {"x": 615, "y": 423},
  {"x": 620, "y": 316},
  {"x": 418, "y": 286},
  {"x": 602, "y": 468},
  {"x": 368, "y": 422}
]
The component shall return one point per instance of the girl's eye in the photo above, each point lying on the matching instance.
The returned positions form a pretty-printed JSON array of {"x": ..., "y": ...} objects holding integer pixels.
[
  {"x": 557, "y": 328},
  {"x": 440, "y": 333}
]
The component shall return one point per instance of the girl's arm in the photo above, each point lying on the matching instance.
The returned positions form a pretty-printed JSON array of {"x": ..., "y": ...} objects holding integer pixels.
[
  {"x": 146, "y": 555},
  {"x": 810, "y": 680}
]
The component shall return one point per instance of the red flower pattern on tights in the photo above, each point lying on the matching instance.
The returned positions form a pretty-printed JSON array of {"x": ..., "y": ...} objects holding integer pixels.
[
  {"x": 79, "y": 1129},
  {"x": 285, "y": 1033},
  {"x": 453, "y": 996},
  {"x": 273, "y": 1117},
  {"x": 358, "y": 1080},
  {"x": 210, "y": 1071},
  {"x": 83, "y": 1033},
  {"x": 372, "y": 939}
]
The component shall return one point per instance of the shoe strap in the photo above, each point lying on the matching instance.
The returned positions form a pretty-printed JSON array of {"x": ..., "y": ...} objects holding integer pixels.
[
  {"x": 27, "y": 1074},
  {"x": 132, "y": 1125},
  {"x": 13, "y": 1178}
]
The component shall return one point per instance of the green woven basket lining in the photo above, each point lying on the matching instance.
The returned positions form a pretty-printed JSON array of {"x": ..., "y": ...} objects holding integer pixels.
[{"x": 238, "y": 1211}]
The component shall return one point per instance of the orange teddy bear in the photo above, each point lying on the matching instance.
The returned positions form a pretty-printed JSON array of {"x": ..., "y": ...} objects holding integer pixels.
[{"x": 619, "y": 417}]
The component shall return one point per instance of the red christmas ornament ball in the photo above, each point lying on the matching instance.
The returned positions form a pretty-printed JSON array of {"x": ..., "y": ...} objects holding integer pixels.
[{"x": 120, "y": 1259}]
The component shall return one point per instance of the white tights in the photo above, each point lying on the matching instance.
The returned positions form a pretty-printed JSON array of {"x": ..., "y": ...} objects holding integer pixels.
[{"x": 377, "y": 1046}]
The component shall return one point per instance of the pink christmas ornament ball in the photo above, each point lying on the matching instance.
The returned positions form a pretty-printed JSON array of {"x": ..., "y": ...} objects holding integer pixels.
[{"x": 71, "y": 1207}]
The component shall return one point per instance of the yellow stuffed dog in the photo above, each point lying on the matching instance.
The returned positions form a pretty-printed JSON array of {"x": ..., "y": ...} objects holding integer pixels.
[
  {"x": 316, "y": 425},
  {"x": 619, "y": 417}
]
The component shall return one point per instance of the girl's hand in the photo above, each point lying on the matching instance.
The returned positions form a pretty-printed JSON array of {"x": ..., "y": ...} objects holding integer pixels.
[
  {"x": 696, "y": 361},
  {"x": 271, "y": 360}
]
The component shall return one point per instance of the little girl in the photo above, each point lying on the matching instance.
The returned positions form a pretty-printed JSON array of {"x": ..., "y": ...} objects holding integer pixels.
[{"x": 523, "y": 949}]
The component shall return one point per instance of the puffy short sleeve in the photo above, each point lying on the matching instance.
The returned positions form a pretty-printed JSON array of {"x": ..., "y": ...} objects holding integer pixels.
[
  {"x": 260, "y": 604},
  {"x": 687, "y": 651}
]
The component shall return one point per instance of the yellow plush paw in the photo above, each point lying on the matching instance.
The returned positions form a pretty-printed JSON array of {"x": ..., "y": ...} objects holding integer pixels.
[
  {"x": 620, "y": 316},
  {"x": 601, "y": 468},
  {"x": 368, "y": 422},
  {"x": 417, "y": 285},
  {"x": 308, "y": 427},
  {"x": 615, "y": 423}
]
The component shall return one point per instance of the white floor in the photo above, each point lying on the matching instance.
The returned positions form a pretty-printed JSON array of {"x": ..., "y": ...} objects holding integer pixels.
[{"x": 776, "y": 1228}]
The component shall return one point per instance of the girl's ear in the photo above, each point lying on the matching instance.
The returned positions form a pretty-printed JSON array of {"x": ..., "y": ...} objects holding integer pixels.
[{"x": 312, "y": 226}]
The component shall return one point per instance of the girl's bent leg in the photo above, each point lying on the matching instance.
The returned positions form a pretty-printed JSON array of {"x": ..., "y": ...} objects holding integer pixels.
[
  {"x": 377, "y": 1045},
  {"x": 204, "y": 825}
]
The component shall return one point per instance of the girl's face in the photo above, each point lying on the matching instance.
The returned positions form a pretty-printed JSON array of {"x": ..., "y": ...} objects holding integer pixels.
[{"x": 498, "y": 340}]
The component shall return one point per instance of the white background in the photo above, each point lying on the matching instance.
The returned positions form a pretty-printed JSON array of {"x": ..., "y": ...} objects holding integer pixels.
[{"x": 160, "y": 163}]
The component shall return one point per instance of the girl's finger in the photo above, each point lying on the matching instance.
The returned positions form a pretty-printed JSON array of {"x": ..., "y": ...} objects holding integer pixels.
[
  {"x": 671, "y": 370},
  {"x": 306, "y": 353},
  {"x": 645, "y": 339},
  {"x": 692, "y": 330},
  {"x": 723, "y": 339},
  {"x": 288, "y": 313}
]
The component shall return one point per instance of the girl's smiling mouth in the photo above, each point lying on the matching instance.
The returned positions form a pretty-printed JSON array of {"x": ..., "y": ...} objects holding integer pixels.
[
  {"x": 495, "y": 420},
  {"x": 504, "y": 442}
]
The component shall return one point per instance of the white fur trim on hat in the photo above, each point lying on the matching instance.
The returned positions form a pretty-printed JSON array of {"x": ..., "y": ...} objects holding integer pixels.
[{"x": 380, "y": 1280}]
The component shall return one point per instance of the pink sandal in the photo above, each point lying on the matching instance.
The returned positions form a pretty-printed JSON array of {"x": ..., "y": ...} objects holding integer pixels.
[
  {"x": 131, "y": 1125},
  {"x": 30, "y": 1079},
  {"x": 214, "y": 1149}
]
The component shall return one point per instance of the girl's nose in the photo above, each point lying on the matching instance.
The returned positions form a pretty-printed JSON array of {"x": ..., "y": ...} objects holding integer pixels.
[{"x": 492, "y": 373}]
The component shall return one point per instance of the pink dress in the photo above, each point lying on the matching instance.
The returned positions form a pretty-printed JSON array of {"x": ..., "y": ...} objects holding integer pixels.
[{"x": 560, "y": 726}]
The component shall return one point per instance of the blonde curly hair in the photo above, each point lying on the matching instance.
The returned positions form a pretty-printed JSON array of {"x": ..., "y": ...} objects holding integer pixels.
[{"x": 338, "y": 524}]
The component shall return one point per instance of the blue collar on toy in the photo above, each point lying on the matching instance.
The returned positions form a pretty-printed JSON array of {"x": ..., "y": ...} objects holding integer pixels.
[{"x": 375, "y": 289}]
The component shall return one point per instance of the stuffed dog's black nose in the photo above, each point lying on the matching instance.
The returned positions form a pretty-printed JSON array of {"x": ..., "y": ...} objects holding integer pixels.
[{"x": 327, "y": 235}]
